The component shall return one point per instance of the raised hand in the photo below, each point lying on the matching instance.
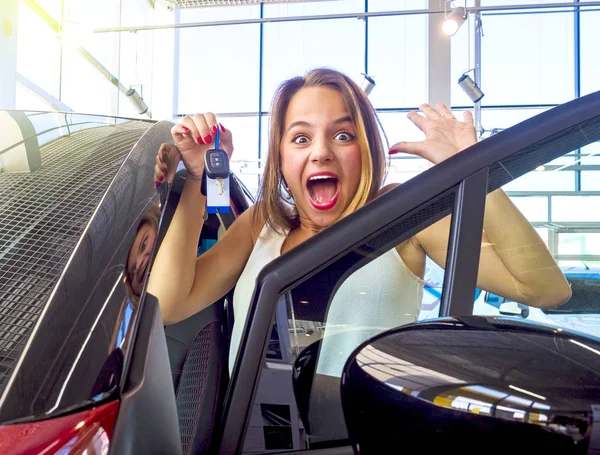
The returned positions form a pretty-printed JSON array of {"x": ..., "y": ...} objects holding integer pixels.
[
  {"x": 194, "y": 136},
  {"x": 444, "y": 134},
  {"x": 167, "y": 159}
]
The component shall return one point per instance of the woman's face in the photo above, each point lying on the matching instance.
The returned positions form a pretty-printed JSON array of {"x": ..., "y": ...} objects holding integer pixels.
[
  {"x": 320, "y": 155},
  {"x": 137, "y": 264}
]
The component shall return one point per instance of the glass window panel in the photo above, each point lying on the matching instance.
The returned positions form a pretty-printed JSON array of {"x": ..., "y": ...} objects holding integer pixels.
[
  {"x": 137, "y": 12},
  {"x": 593, "y": 154},
  {"x": 85, "y": 15},
  {"x": 398, "y": 60},
  {"x": 52, "y": 7},
  {"x": 517, "y": 2},
  {"x": 245, "y": 153},
  {"x": 590, "y": 63},
  {"x": 38, "y": 51},
  {"x": 398, "y": 127},
  {"x": 210, "y": 83},
  {"x": 81, "y": 17},
  {"x": 579, "y": 243},
  {"x": 499, "y": 119},
  {"x": 84, "y": 88},
  {"x": 135, "y": 70},
  {"x": 590, "y": 181},
  {"x": 397, "y": 5},
  {"x": 264, "y": 137},
  {"x": 575, "y": 208},
  {"x": 534, "y": 208},
  {"x": 505, "y": 118},
  {"x": 219, "y": 13},
  {"x": 314, "y": 8},
  {"x": 543, "y": 232},
  {"x": 26, "y": 99},
  {"x": 533, "y": 64},
  {"x": 461, "y": 60},
  {"x": 402, "y": 169},
  {"x": 293, "y": 48},
  {"x": 543, "y": 181}
]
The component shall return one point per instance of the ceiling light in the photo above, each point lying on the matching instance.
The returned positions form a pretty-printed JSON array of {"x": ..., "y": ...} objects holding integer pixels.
[
  {"x": 470, "y": 87},
  {"x": 367, "y": 84},
  {"x": 137, "y": 101},
  {"x": 453, "y": 21}
]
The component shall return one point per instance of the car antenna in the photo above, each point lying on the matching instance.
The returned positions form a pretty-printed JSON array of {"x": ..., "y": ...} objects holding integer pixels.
[{"x": 586, "y": 266}]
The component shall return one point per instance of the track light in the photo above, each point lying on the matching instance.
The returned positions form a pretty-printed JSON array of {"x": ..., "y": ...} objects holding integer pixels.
[
  {"x": 367, "y": 84},
  {"x": 470, "y": 87},
  {"x": 453, "y": 21},
  {"x": 137, "y": 101}
]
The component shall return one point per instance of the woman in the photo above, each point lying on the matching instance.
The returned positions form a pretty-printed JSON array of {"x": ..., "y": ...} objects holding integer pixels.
[{"x": 326, "y": 159}]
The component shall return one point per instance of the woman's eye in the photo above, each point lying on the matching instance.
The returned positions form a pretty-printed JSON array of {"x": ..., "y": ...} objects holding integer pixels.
[
  {"x": 300, "y": 139},
  {"x": 344, "y": 136}
]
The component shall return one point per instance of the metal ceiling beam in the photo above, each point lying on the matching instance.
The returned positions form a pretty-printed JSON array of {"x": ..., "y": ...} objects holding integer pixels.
[{"x": 357, "y": 15}]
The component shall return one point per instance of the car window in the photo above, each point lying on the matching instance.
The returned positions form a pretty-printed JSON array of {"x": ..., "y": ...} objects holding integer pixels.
[{"x": 568, "y": 222}]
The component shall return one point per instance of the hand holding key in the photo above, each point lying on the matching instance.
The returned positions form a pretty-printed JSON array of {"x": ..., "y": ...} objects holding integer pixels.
[{"x": 194, "y": 136}]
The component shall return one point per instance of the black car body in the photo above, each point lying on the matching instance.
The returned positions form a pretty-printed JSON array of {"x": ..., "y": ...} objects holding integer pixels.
[{"x": 86, "y": 364}]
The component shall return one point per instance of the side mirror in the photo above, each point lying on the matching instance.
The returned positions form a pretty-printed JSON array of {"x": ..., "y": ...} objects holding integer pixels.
[{"x": 455, "y": 385}]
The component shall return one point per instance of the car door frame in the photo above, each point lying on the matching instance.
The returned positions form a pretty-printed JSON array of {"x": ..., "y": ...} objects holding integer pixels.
[{"x": 466, "y": 179}]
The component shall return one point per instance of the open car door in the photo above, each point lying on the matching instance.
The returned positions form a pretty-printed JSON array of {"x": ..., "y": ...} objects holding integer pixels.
[{"x": 292, "y": 401}]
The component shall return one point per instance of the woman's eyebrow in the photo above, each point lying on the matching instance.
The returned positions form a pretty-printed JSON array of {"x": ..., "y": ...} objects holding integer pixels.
[
  {"x": 342, "y": 120},
  {"x": 297, "y": 123},
  {"x": 305, "y": 124}
]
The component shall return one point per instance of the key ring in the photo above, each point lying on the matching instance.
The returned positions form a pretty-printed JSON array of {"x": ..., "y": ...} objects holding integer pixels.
[{"x": 217, "y": 137}]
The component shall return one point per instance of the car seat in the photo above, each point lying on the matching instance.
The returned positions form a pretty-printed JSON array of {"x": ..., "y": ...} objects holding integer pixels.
[{"x": 198, "y": 350}]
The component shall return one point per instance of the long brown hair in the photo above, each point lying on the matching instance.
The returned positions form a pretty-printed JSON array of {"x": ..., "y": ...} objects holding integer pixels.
[
  {"x": 272, "y": 206},
  {"x": 151, "y": 217}
]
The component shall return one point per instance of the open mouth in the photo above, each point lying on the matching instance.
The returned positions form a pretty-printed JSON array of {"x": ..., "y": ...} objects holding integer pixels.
[{"x": 323, "y": 190}]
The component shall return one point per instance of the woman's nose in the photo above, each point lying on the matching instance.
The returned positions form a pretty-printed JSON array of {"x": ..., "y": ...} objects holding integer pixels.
[{"x": 321, "y": 151}]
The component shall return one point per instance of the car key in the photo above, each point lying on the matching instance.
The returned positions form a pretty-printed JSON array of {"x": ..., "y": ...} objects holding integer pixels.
[
  {"x": 216, "y": 163},
  {"x": 216, "y": 167}
]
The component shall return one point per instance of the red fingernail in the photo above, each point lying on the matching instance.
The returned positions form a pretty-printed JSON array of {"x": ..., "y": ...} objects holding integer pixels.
[
  {"x": 156, "y": 183},
  {"x": 222, "y": 127},
  {"x": 185, "y": 128},
  {"x": 392, "y": 152},
  {"x": 213, "y": 129},
  {"x": 161, "y": 178},
  {"x": 199, "y": 140},
  {"x": 208, "y": 139}
]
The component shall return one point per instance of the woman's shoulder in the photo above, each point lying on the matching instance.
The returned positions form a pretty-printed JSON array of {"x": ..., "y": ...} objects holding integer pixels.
[
  {"x": 387, "y": 188},
  {"x": 251, "y": 221}
]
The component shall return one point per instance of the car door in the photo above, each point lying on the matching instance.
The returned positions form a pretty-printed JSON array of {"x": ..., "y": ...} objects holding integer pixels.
[{"x": 271, "y": 407}]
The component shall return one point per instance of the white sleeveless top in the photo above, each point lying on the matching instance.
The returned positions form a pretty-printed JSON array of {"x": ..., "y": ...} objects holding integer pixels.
[{"x": 381, "y": 295}]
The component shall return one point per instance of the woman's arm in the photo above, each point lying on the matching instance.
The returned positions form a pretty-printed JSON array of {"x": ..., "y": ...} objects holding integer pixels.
[
  {"x": 183, "y": 283},
  {"x": 515, "y": 263}
]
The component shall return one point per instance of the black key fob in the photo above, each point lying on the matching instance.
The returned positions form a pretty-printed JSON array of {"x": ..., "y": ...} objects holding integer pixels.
[{"x": 216, "y": 164}]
